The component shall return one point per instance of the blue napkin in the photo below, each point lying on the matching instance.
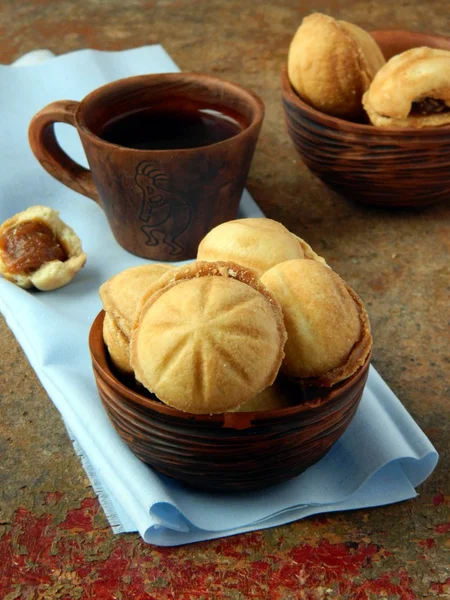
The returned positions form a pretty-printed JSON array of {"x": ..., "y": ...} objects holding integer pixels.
[{"x": 382, "y": 457}]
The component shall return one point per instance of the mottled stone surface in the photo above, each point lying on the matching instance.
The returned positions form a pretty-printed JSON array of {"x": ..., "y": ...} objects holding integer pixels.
[{"x": 54, "y": 539}]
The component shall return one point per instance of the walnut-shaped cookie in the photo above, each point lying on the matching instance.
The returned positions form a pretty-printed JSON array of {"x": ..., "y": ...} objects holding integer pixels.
[
  {"x": 327, "y": 325},
  {"x": 118, "y": 345},
  {"x": 209, "y": 337},
  {"x": 411, "y": 90},
  {"x": 257, "y": 243},
  {"x": 275, "y": 397},
  {"x": 120, "y": 296},
  {"x": 37, "y": 249},
  {"x": 331, "y": 64}
]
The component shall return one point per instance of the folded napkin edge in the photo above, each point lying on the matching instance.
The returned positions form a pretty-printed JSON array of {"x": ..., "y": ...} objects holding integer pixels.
[{"x": 72, "y": 53}]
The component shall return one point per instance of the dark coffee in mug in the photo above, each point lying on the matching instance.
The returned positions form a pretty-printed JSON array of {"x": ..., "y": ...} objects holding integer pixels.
[
  {"x": 160, "y": 128},
  {"x": 168, "y": 156}
]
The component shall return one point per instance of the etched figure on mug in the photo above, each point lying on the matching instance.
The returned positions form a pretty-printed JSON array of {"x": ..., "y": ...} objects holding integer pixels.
[{"x": 166, "y": 214}]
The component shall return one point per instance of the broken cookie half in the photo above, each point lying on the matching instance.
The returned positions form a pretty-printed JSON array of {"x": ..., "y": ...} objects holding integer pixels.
[
  {"x": 411, "y": 90},
  {"x": 37, "y": 249}
]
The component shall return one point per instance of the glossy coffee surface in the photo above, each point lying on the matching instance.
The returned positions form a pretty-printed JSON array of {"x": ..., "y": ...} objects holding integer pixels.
[{"x": 165, "y": 129}]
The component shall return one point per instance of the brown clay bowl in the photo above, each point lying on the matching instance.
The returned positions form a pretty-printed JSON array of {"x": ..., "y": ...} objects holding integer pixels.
[
  {"x": 227, "y": 452},
  {"x": 396, "y": 167}
]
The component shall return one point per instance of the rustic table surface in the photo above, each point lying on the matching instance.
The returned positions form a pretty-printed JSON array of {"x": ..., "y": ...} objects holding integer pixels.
[{"x": 54, "y": 539}]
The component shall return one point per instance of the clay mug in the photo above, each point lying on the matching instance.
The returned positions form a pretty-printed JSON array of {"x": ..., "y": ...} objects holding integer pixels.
[{"x": 159, "y": 203}]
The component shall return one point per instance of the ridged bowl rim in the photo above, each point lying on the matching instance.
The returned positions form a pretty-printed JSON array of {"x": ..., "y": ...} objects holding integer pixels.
[{"x": 242, "y": 420}]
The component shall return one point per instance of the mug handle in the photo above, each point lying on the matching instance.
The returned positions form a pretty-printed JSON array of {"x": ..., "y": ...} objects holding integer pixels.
[{"x": 45, "y": 147}]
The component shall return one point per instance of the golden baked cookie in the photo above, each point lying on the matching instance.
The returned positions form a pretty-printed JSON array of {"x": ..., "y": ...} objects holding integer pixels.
[
  {"x": 328, "y": 328},
  {"x": 411, "y": 90},
  {"x": 258, "y": 244},
  {"x": 121, "y": 294},
  {"x": 209, "y": 337},
  {"x": 120, "y": 297},
  {"x": 274, "y": 397},
  {"x": 331, "y": 64},
  {"x": 118, "y": 345},
  {"x": 308, "y": 252},
  {"x": 38, "y": 249}
]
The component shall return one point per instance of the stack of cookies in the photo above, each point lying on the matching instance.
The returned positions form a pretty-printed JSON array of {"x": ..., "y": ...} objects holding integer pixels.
[
  {"x": 257, "y": 315},
  {"x": 337, "y": 68}
]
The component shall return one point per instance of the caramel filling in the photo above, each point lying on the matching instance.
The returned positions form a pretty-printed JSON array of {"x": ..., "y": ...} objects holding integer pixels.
[
  {"x": 428, "y": 106},
  {"x": 27, "y": 246}
]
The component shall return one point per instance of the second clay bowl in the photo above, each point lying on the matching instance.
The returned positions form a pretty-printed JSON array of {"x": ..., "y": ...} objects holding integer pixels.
[
  {"x": 394, "y": 167},
  {"x": 226, "y": 452}
]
